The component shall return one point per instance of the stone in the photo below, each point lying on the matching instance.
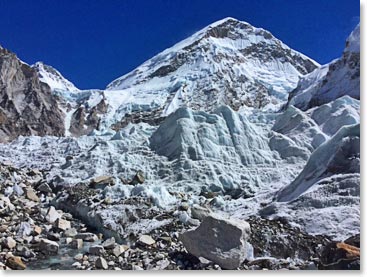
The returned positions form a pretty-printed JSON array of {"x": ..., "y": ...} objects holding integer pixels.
[
  {"x": 101, "y": 263},
  {"x": 87, "y": 237},
  {"x": 62, "y": 224},
  {"x": 78, "y": 257},
  {"x": 31, "y": 195},
  {"x": 119, "y": 249},
  {"x": 162, "y": 264},
  {"x": 146, "y": 240},
  {"x": 101, "y": 182},
  {"x": 37, "y": 230},
  {"x": 76, "y": 243},
  {"x": 3, "y": 228},
  {"x": 223, "y": 241},
  {"x": 15, "y": 263},
  {"x": 184, "y": 206},
  {"x": 96, "y": 250},
  {"x": 354, "y": 240},
  {"x": 44, "y": 187},
  {"x": 25, "y": 252},
  {"x": 68, "y": 240},
  {"x": 67, "y": 216},
  {"x": 109, "y": 243},
  {"x": 9, "y": 243},
  {"x": 199, "y": 212},
  {"x": 138, "y": 178},
  {"x": 340, "y": 256},
  {"x": 53, "y": 236},
  {"x": 48, "y": 246},
  {"x": 70, "y": 232},
  {"x": 136, "y": 267},
  {"x": 77, "y": 265},
  {"x": 52, "y": 215},
  {"x": 25, "y": 229}
]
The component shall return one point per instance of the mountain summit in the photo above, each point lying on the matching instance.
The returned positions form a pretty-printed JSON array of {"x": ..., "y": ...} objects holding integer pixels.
[
  {"x": 228, "y": 62},
  {"x": 49, "y": 75}
]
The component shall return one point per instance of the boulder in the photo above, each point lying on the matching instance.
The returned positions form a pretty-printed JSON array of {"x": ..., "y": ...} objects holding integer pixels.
[
  {"x": 109, "y": 243},
  {"x": 199, "y": 212},
  {"x": 15, "y": 263},
  {"x": 96, "y": 250},
  {"x": 223, "y": 241},
  {"x": 62, "y": 224},
  {"x": 119, "y": 249},
  {"x": 44, "y": 187},
  {"x": 25, "y": 229},
  {"x": 37, "y": 230},
  {"x": 48, "y": 246},
  {"x": 70, "y": 232},
  {"x": 31, "y": 195},
  {"x": 101, "y": 263},
  {"x": 138, "y": 178},
  {"x": 146, "y": 240},
  {"x": 52, "y": 215},
  {"x": 340, "y": 256},
  {"x": 9, "y": 243},
  {"x": 101, "y": 182},
  {"x": 87, "y": 237},
  {"x": 76, "y": 243}
]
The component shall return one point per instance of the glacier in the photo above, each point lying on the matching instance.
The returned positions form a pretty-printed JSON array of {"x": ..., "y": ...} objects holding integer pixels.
[{"x": 230, "y": 119}]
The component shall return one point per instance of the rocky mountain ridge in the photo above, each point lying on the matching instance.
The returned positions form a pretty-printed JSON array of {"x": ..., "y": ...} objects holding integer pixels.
[{"x": 27, "y": 106}]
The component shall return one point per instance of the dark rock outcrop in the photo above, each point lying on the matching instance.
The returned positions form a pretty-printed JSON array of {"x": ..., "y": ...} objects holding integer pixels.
[{"x": 27, "y": 106}]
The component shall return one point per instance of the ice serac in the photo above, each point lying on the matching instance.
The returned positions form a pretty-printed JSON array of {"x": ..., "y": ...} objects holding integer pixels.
[
  {"x": 334, "y": 115},
  {"x": 331, "y": 81},
  {"x": 228, "y": 62},
  {"x": 339, "y": 155},
  {"x": 222, "y": 136},
  {"x": 27, "y": 106},
  {"x": 49, "y": 75},
  {"x": 296, "y": 134},
  {"x": 325, "y": 197}
]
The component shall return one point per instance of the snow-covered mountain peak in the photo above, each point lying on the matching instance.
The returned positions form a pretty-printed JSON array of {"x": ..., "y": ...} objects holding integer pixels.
[
  {"x": 333, "y": 80},
  {"x": 353, "y": 41},
  {"x": 229, "y": 62},
  {"x": 53, "y": 78}
]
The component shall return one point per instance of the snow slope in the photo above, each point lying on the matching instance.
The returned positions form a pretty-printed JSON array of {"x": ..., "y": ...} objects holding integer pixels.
[
  {"x": 331, "y": 81},
  {"x": 49, "y": 75},
  {"x": 228, "y": 62}
]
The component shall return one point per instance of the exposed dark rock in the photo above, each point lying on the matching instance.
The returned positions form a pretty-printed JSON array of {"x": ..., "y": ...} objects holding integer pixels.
[
  {"x": 340, "y": 256},
  {"x": 27, "y": 106}
]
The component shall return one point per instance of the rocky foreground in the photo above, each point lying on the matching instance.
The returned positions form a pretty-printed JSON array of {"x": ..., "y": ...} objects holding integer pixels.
[{"x": 36, "y": 234}]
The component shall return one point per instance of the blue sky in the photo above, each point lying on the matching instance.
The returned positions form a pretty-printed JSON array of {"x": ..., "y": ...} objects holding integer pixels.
[{"x": 93, "y": 42}]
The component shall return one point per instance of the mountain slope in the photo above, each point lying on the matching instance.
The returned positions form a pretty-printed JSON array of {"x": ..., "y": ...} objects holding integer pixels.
[
  {"x": 331, "y": 81},
  {"x": 229, "y": 62},
  {"x": 27, "y": 106},
  {"x": 49, "y": 75}
]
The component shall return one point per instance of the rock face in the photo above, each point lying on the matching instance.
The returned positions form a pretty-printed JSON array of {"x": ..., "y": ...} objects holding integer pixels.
[
  {"x": 340, "y": 256},
  {"x": 27, "y": 106},
  {"x": 331, "y": 81},
  {"x": 219, "y": 240}
]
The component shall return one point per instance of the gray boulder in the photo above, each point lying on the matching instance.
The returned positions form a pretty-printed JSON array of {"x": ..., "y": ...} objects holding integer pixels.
[{"x": 223, "y": 241}]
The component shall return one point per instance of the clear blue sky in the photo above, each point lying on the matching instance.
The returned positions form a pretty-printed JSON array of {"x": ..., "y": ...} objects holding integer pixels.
[{"x": 94, "y": 41}]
